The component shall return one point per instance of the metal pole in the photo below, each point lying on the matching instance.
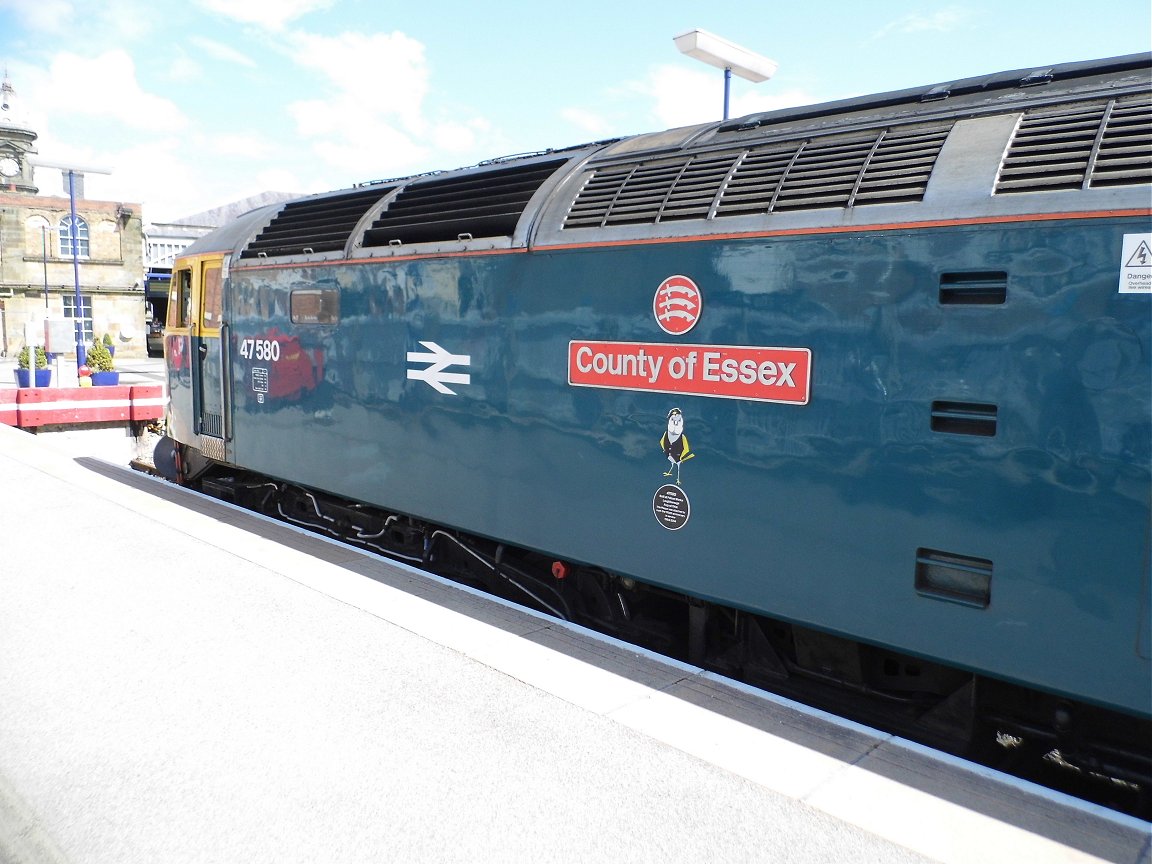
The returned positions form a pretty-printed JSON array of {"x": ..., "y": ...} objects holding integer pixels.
[
  {"x": 727, "y": 88},
  {"x": 81, "y": 355},
  {"x": 44, "y": 255}
]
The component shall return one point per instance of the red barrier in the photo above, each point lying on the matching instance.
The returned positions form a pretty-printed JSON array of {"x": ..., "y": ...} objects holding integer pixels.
[
  {"x": 8, "y": 407},
  {"x": 49, "y": 406},
  {"x": 45, "y": 406},
  {"x": 148, "y": 402}
]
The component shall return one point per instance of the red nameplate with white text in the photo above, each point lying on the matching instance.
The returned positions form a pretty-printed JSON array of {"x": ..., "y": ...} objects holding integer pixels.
[{"x": 720, "y": 371}]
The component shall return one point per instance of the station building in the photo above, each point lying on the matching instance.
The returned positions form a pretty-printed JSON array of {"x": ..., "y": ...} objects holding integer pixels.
[
  {"x": 38, "y": 269},
  {"x": 122, "y": 263}
]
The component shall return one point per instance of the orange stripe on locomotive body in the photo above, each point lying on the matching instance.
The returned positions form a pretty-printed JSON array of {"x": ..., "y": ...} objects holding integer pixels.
[{"x": 864, "y": 228}]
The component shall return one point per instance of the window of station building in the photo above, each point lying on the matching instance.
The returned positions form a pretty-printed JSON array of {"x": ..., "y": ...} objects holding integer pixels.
[
  {"x": 315, "y": 306},
  {"x": 180, "y": 299},
  {"x": 66, "y": 237},
  {"x": 85, "y": 313},
  {"x": 213, "y": 298}
]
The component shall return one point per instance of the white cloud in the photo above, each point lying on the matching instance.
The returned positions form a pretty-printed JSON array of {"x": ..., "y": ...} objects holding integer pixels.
[
  {"x": 370, "y": 74},
  {"x": 239, "y": 144},
  {"x": 939, "y": 22},
  {"x": 48, "y": 16},
  {"x": 371, "y": 118},
  {"x": 104, "y": 86},
  {"x": 122, "y": 21},
  {"x": 269, "y": 14},
  {"x": 588, "y": 121},
  {"x": 683, "y": 96},
  {"x": 93, "y": 111},
  {"x": 134, "y": 169},
  {"x": 181, "y": 67},
  {"x": 455, "y": 137},
  {"x": 282, "y": 180},
  {"x": 220, "y": 51},
  {"x": 352, "y": 146}
]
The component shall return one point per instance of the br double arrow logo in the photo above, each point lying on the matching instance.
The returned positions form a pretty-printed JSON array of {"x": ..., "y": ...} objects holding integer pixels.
[{"x": 434, "y": 375}]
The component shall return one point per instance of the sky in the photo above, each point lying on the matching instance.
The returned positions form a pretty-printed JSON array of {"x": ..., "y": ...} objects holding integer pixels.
[{"x": 198, "y": 103}]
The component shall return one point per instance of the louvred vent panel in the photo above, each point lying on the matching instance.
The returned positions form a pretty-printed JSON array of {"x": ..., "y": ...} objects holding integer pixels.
[
  {"x": 1088, "y": 145},
  {"x": 479, "y": 204},
  {"x": 315, "y": 224},
  {"x": 1125, "y": 153},
  {"x": 877, "y": 168}
]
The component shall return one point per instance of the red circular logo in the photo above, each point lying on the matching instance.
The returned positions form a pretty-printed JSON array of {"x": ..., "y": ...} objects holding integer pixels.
[{"x": 677, "y": 305}]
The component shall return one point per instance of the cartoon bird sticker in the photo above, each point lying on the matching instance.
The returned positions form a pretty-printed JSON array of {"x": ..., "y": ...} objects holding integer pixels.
[{"x": 675, "y": 444}]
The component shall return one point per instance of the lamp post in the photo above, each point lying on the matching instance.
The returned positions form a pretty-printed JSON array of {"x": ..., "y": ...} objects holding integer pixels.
[
  {"x": 72, "y": 171},
  {"x": 715, "y": 51},
  {"x": 44, "y": 258}
]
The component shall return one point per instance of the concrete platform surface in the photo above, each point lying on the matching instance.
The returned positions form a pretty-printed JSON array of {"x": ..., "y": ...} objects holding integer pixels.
[{"x": 181, "y": 681}]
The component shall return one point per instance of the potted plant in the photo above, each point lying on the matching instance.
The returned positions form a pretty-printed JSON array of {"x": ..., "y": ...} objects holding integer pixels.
[
  {"x": 24, "y": 378},
  {"x": 100, "y": 362},
  {"x": 109, "y": 344}
]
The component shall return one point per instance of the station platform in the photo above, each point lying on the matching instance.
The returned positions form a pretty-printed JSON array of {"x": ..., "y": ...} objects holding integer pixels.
[{"x": 182, "y": 681}]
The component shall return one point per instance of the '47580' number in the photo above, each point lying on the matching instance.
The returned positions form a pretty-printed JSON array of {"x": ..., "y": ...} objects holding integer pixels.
[{"x": 260, "y": 349}]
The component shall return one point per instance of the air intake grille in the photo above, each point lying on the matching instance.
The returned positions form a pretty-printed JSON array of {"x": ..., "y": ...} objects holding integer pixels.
[
  {"x": 480, "y": 204},
  {"x": 315, "y": 224},
  {"x": 1089, "y": 145},
  {"x": 880, "y": 168}
]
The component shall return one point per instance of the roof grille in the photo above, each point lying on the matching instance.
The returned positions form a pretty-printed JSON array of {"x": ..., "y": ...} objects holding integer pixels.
[
  {"x": 478, "y": 204},
  {"x": 1125, "y": 153},
  {"x": 314, "y": 224},
  {"x": 881, "y": 168},
  {"x": 1088, "y": 145}
]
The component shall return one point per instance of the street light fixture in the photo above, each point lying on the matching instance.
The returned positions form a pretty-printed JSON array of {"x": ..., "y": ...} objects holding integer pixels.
[
  {"x": 711, "y": 49},
  {"x": 73, "y": 236}
]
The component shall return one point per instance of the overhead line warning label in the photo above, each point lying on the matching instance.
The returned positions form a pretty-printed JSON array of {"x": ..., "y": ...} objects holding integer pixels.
[{"x": 1136, "y": 264}]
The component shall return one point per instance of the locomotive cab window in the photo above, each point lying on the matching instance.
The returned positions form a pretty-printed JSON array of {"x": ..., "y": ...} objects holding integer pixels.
[
  {"x": 315, "y": 306},
  {"x": 213, "y": 298},
  {"x": 180, "y": 299}
]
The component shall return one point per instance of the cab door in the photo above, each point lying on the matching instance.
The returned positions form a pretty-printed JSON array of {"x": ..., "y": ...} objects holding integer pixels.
[{"x": 209, "y": 400}]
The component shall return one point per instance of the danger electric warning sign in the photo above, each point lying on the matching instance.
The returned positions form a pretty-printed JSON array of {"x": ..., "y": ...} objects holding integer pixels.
[
  {"x": 1136, "y": 264},
  {"x": 720, "y": 371}
]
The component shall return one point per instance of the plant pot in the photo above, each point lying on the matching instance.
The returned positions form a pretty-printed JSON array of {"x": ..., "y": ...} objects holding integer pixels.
[
  {"x": 43, "y": 378},
  {"x": 105, "y": 379}
]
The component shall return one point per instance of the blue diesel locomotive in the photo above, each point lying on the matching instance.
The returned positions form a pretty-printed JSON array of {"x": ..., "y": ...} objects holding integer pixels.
[{"x": 850, "y": 401}]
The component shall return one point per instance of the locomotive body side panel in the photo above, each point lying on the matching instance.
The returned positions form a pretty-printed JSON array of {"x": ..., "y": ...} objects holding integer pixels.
[
  {"x": 938, "y": 427},
  {"x": 879, "y": 368}
]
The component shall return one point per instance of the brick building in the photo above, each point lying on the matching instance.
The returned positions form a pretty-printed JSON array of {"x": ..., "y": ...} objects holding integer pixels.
[{"x": 39, "y": 269}]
